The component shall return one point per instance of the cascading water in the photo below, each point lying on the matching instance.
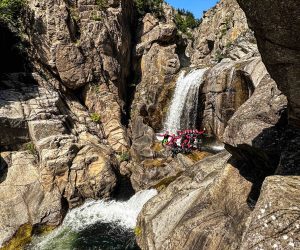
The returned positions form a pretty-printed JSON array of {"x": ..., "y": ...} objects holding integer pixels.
[
  {"x": 97, "y": 225},
  {"x": 183, "y": 109}
]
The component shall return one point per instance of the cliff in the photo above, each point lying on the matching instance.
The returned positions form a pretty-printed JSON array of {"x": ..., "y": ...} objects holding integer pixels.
[{"x": 90, "y": 85}]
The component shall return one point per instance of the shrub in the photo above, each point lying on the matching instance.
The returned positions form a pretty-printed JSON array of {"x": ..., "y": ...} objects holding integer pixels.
[
  {"x": 10, "y": 11},
  {"x": 74, "y": 13},
  {"x": 96, "y": 117},
  {"x": 102, "y": 4},
  {"x": 30, "y": 147},
  {"x": 124, "y": 156},
  {"x": 95, "y": 17},
  {"x": 149, "y": 6},
  {"x": 137, "y": 231},
  {"x": 185, "y": 20},
  {"x": 219, "y": 56}
]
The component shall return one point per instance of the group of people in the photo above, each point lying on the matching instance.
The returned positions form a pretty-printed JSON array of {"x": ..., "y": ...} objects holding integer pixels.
[{"x": 184, "y": 142}]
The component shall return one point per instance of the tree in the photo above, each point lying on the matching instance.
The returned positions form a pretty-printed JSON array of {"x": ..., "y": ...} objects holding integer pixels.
[{"x": 149, "y": 6}]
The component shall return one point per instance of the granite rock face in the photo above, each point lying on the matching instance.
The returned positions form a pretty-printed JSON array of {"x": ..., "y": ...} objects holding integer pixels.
[
  {"x": 226, "y": 87},
  {"x": 275, "y": 221},
  {"x": 62, "y": 160},
  {"x": 205, "y": 207},
  {"x": 23, "y": 197},
  {"x": 278, "y": 41},
  {"x": 157, "y": 63},
  {"x": 255, "y": 130},
  {"x": 223, "y": 33},
  {"x": 87, "y": 44}
]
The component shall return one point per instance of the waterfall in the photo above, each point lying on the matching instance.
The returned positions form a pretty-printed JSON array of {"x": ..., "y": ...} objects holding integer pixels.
[
  {"x": 121, "y": 215},
  {"x": 182, "y": 113}
]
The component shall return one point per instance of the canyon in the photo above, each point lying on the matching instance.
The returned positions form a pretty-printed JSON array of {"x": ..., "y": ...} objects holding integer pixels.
[{"x": 88, "y": 85}]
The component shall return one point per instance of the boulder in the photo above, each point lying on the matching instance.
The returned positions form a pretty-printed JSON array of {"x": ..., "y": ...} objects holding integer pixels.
[
  {"x": 143, "y": 138},
  {"x": 254, "y": 132},
  {"x": 205, "y": 207},
  {"x": 23, "y": 199},
  {"x": 275, "y": 221},
  {"x": 278, "y": 43}
]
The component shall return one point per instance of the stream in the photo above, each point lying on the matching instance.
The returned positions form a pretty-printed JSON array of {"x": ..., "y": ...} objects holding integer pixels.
[{"x": 97, "y": 225}]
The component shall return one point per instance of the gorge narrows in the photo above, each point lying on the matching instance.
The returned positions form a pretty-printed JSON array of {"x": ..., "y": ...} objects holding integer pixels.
[
  {"x": 88, "y": 92},
  {"x": 183, "y": 110}
]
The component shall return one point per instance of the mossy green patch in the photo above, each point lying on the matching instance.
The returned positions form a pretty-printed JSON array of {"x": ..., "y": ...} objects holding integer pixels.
[
  {"x": 10, "y": 11},
  {"x": 20, "y": 239},
  {"x": 137, "y": 231},
  {"x": 196, "y": 156},
  {"x": 164, "y": 183},
  {"x": 95, "y": 117}
]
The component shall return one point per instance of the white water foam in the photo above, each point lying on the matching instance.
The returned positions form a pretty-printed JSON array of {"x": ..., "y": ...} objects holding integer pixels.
[
  {"x": 123, "y": 214},
  {"x": 217, "y": 147},
  {"x": 182, "y": 113}
]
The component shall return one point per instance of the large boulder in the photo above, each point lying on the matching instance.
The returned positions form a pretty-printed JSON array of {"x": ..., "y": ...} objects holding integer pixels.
[
  {"x": 275, "y": 221},
  {"x": 254, "y": 132},
  {"x": 205, "y": 207},
  {"x": 226, "y": 87},
  {"x": 278, "y": 42},
  {"x": 23, "y": 198}
]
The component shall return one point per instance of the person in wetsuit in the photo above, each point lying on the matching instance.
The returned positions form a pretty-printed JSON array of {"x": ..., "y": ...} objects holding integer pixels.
[{"x": 166, "y": 138}]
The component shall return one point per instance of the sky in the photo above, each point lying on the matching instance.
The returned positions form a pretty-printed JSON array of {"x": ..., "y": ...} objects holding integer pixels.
[{"x": 195, "y": 6}]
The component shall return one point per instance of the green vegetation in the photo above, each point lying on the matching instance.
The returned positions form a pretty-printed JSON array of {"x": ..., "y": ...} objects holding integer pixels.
[
  {"x": 137, "y": 231},
  {"x": 95, "y": 17},
  {"x": 30, "y": 147},
  {"x": 102, "y": 4},
  {"x": 124, "y": 156},
  {"x": 219, "y": 56},
  {"x": 185, "y": 20},
  {"x": 228, "y": 45},
  {"x": 95, "y": 117},
  {"x": 149, "y": 6},
  {"x": 95, "y": 88},
  {"x": 10, "y": 11},
  {"x": 74, "y": 13}
]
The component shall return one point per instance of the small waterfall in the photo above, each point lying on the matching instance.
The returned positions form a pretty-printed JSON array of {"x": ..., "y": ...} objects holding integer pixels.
[
  {"x": 117, "y": 220},
  {"x": 183, "y": 109}
]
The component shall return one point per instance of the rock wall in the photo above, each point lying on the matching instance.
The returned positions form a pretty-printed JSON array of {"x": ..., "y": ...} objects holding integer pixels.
[
  {"x": 263, "y": 141},
  {"x": 87, "y": 44},
  {"x": 157, "y": 64},
  {"x": 278, "y": 40},
  {"x": 223, "y": 33},
  {"x": 57, "y": 157},
  {"x": 226, "y": 87}
]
